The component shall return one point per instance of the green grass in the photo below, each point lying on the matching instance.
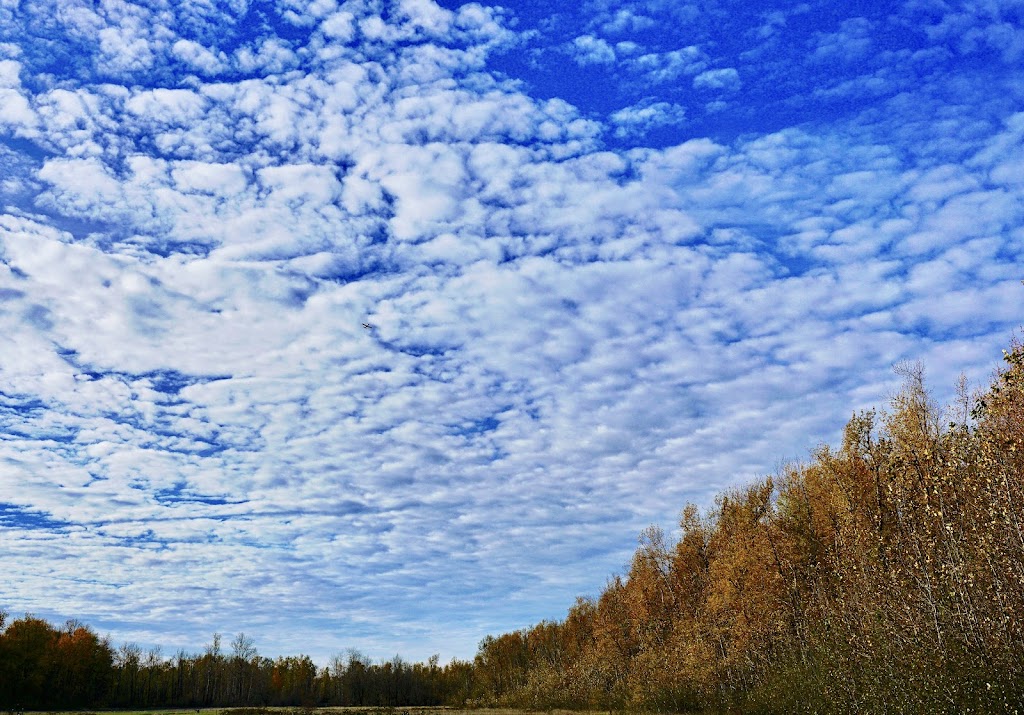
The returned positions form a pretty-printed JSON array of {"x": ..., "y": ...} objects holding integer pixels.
[{"x": 289, "y": 710}]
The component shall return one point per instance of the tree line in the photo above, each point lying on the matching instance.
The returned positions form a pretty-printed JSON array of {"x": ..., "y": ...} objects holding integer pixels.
[
  {"x": 43, "y": 667},
  {"x": 884, "y": 575}
]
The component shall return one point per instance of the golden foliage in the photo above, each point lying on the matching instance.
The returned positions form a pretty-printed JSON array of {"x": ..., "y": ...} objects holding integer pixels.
[{"x": 885, "y": 575}]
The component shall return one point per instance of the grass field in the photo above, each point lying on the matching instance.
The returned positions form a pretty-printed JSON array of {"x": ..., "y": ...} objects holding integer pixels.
[{"x": 411, "y": 710}]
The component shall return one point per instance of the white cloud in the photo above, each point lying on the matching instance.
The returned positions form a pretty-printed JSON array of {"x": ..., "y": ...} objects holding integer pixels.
[
  {"x": 646, "y": 115},
  {"x": 656, "y": 68},
  {"x": 340, "y": 26},
  {"x": 591, "y": 50},
  {"x": 167, "y": 106},
  {"x": 427, "y": 16},
  {"x": 627, "y": 48},
  {"x": 726, "y": 79},
  {"x": 228, "y": 179},
  {"x": 976, "y": 27},
  {"x": 9, "y": 71},
  {"x": 624, "y": 20},
  {"x": 851, "y": 43},
  {"x": 199, "y": 57},
  {"x": 16, "y": 112},
  {"x": 1004, "y": 153},
  {"x": 84, "y": 186},
  {"x": 269, "y": 55},
  {"x": 126, "y": 48}
]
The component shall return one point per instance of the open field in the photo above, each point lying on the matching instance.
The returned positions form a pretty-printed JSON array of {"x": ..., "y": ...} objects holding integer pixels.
[{"x": 285, "y": 710}]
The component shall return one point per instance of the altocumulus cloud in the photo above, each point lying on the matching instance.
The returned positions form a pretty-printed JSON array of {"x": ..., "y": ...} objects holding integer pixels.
[{"x": 587, "y": 307}]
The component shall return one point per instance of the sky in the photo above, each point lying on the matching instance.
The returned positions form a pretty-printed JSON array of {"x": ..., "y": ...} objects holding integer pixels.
[{"x": 615, "y": 256}]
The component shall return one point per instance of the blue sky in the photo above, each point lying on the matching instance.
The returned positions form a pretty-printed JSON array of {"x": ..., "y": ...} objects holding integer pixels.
[{"x": 616, "y": 256}]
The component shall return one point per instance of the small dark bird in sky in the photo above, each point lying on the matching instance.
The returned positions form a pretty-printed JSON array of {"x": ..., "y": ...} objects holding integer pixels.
[{"x": 367, "y": 326}]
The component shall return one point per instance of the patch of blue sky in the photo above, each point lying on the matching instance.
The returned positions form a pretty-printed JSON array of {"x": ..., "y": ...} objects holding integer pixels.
[
  {"x": 147, "y": 540},
  {"x": 167, "y": 248},
  {"x": 18, "y": 158},
  {"x": 13, "y": 398},
  {"x": 416, "y": 349},
  {"x": 171, "y": 441},
  {"x": 340, "y": 508},
  {"x": 15, "y": 516},
  {"x": 755, "y": 68},
  {"x": 76, "y": 227},
  {"x": 475, "y": 427},
  {"x": 24, "y": 423}
]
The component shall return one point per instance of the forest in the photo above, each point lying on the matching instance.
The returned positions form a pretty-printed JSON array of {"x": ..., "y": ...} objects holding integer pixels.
[
  {"x": 43, "y": 667},
  {"x": 885, "y": 574}
]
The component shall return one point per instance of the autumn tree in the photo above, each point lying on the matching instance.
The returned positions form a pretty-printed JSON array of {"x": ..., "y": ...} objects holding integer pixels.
[
  {"x": 886, "y": 574},
  {"x": 82, "y": 667},
  {"x": 28, "y": 650}
]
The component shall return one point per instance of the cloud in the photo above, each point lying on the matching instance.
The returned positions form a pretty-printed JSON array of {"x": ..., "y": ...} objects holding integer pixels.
[
  {"x": 625, "y": 21},
  {"x": 9, "y": 71},
  {"x": 977, "y": 28},
  {"x": 644, "y": 116},
  {"x": 268, "y": 56},
  {"x": 727, "y": 79},
  {"x": 656, "y": 68},
  {"x": 590, "y": 50},
  {"x": 16, "y": 113},
  {"x": 851, "y": 43},
  {"x": 199, "y": 57},
  {"x": 339, "y": 27},
  {"x": 573, "y": 333}
]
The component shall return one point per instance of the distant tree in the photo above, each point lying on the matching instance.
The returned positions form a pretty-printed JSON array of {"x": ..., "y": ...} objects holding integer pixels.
[
  {"x": 6, "y": 665},
  {"x": 28, "y": 650},
  {"x": 244, "y": 661},
  {"x": 211, "y": 669},
  {"x": 82, "y": 666},
  {"x": 128, "y": 665}
]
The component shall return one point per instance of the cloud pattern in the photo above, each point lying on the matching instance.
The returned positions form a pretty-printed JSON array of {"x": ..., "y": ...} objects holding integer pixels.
[{"x": 584, "y": 311}]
